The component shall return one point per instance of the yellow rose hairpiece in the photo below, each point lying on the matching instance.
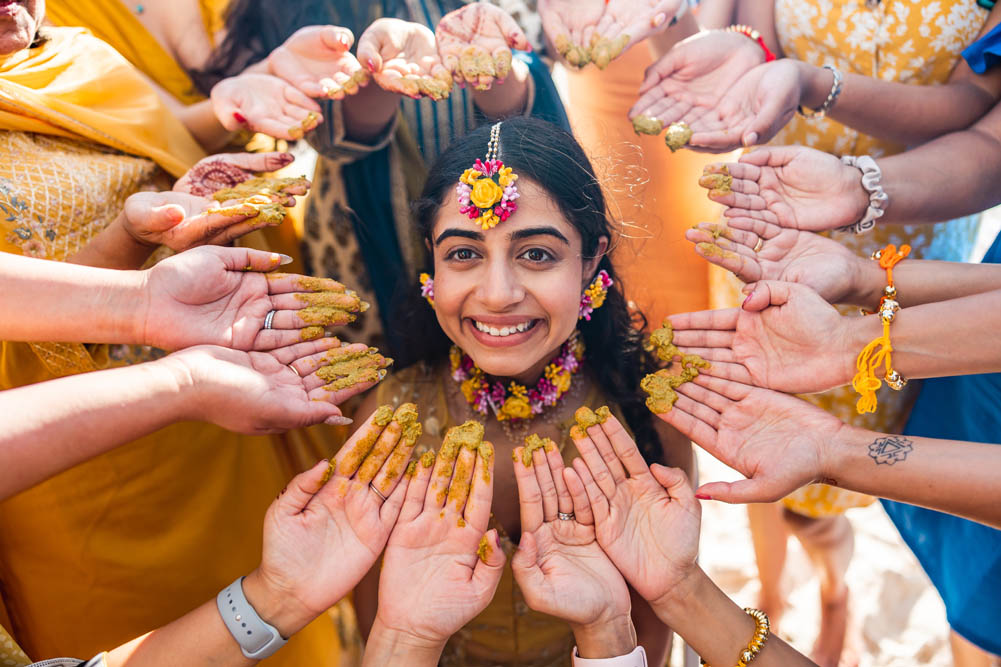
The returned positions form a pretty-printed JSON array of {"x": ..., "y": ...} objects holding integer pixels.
[{"x": 486, "y": 191}]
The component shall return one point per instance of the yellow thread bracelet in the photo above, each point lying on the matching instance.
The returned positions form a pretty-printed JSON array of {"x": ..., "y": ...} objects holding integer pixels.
[
  {"x": 761, "y": 631},
  {"x": 879, "y": 352}
]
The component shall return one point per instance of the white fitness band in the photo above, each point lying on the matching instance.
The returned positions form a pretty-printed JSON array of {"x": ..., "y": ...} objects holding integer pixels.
[
  {"x": 257, "y": 639},
  {"x": 635, "y": 659}
]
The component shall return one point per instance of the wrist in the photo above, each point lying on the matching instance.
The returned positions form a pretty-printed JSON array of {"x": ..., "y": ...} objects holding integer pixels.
[
  {"x": 605, "y": 638},
  {"x": 682, "y": 596},
  {"x": 276, "y": 608},
  {"x": 837, "y": 452},
  {"x": 816, "y": 84},
  {"x": 856, "y": 333},
  {"x": 386, "y": 641}
]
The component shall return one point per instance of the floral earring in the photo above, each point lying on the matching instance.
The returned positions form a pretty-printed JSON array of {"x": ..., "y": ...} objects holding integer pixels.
[
  {"x": 594, "y": 296},
  {"x": 427, "y": 288}
]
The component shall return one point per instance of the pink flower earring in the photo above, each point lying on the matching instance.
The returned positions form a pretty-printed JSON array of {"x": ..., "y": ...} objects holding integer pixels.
[
  {"x": 427, "y": 288},
  {"x": 594, "y": 296}
]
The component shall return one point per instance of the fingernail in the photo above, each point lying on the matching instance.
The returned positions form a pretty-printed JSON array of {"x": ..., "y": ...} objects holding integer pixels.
[
  {"x": 340, "y": 421},
  {"x": 371, "y": 65},
  {"x": 746, "y": 300},
  {"x": 286, "y": 158},
  {"x": 751, "y": 139},
  {"x": 239, "y": 118},
  {"x": 702, "y": 496},
  {"x": 497, "y": 539},
  {"x": 285, "y": 259}
]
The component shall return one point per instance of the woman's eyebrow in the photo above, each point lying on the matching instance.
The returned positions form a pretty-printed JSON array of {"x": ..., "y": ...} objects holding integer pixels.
[
  {"x": 538, "y": 231},
  {"x": 461, "y": 233}
]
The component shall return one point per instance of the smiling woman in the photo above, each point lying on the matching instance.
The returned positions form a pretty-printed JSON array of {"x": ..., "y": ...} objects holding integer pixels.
[{"x": 506, "y": 344}]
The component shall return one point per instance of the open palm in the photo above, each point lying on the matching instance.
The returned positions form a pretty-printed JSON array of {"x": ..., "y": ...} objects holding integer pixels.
[
  {"x": 693, "y": 76},
  {"x": 625, "y": 23},
  {"x": 316, "y": 60},
  {"x": 264, "y": 103},
  {"x": 777, "y": 441},
  {"x": 475, "y": 44},
  {"x": 403, "y": 57},
  {"x": 569, "y": 25}
]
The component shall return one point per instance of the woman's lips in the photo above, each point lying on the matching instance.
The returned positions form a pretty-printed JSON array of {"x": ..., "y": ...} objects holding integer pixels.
[{"x": 512, "y": 337}]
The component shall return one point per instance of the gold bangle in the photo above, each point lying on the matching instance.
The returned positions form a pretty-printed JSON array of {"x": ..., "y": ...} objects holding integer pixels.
[{"x": 761, "y": 631}]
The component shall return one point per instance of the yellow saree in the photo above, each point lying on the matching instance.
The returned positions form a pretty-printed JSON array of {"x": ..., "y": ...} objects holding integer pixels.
[{"x": 135, "y": 538}]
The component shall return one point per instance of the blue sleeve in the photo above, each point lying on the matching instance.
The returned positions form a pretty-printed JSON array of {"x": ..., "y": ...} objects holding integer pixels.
[{"x": 984, "y": 53}]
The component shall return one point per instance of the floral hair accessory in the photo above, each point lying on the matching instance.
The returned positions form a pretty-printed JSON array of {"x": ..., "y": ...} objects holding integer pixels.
[
  {"x": 427, "y": 288},
  {"x": 486, "y": 191},
  {"x": 516, "y": 401},
  {"x": 594, "y": 296}
]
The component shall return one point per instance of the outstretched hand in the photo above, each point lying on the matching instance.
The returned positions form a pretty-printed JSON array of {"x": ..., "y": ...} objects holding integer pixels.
[
  {"x": 475, "y": 44},
  {"x": 646, "y": 518},
  {"x": 264, "y": 103},
  {"x": 316, "y": 60},
  {"x": 777, "y": 441},
  {"x": 785, "y": 337},
  {"x": 222, "y": 296},
  {"x": 442, "y": 565},
  {"x": 691, "y": 79},
  {"x": 227, "y": 170},
  {"x": 755, "y": 250},
  {"x": 322, "y": 535},
  {"x": 403, "y": 58},
  {"x": 559, "y": 566},
  {"x": 795, "y": 187}
]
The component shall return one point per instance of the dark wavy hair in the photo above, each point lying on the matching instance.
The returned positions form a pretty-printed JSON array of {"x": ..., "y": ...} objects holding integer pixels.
[{"x": 553, "y": 159}]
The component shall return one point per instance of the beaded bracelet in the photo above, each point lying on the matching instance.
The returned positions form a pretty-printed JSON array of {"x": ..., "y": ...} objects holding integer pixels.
[
  {"x": 880, "y": 350},
  {"x": 761, "y": 631},
  {"x": 756, "y": 36},
  {"x": 832, "y": 97}
]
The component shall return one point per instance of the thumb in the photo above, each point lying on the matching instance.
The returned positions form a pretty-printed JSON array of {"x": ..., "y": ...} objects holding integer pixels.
[
  {"x": 248, "y": 259},
  {"x": 162, "y": 218},
  {"x": 768, "y": 293},
  {"x": 770, "y": 157},
  {"x": 368, "y": 51},
  {"x": 337, "y": 38},
  {"x": 490, "y": 563},
  {"x": 675, "y": 482},
  {"x": 771, "y": 118},
  {"x": 659, "y": 71},
  {"x": 294, "y": 497},
  {"x": 741, "y": 491},
  {"x": 526, "y": 556}
]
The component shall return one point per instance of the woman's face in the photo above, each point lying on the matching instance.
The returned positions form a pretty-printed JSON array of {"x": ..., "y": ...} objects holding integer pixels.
[
  {"x": 510, "y": 296},
  {"x": 19, "y": 21}
]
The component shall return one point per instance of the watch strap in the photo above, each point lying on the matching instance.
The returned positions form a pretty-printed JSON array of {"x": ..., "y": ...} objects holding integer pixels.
[
  {"x": 257, "y": 639},
  {"x": 635, "y": 659}
]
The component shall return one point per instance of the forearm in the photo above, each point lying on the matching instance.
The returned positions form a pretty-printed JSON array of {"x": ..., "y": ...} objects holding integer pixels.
[
  {"x": 506, "y": 99},
  {"x": 686, "y": 26},
  {"x": 386, "y": 646},
  {"x": 716, "y": 628},
  {"x": 55, "y": 301},
  {"x": 368, "y": 113},
  {"x": 924, "y": 281},
  {"x": 919, "y": 113},
  {"x": 950, "y": 476},
  {"x": 716, "y": 14},
  {"x": 650, "y": 632},
  {"x": 51, "y": 426},
  {"x": 113, "y": 248},
  {"x": 956, "y": 337},
  {"x": 201, "y": 121},
  {"x": 971, "y": 160}
]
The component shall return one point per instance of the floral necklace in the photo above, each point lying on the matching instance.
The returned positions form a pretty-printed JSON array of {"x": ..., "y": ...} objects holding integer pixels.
[{"x": 516, "y": 402}]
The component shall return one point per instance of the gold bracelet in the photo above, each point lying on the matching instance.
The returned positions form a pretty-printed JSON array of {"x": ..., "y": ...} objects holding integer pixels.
[{"x": 761, "y": 630}]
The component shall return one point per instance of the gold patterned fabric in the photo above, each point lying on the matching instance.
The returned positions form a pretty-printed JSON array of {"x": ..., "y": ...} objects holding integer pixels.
[{"x": 910, "y": 42}]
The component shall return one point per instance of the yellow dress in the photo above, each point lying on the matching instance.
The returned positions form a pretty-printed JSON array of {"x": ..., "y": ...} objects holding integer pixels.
[
  {"x": 507, "y": 632},
  {"x": 896, "y": 40},
  {"x": 137, "y": 537}
]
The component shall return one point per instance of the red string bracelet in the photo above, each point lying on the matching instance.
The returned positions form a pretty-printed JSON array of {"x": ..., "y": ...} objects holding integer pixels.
[{"x": 756, "y": 36}]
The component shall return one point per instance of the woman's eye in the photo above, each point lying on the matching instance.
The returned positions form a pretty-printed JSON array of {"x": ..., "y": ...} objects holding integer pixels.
[
  {"x": 461, "y": 254},
  {"x": 537, "y": 255}
]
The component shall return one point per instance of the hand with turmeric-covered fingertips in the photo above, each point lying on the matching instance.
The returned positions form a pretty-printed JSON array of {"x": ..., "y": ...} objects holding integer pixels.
[
  {"x": 316, "y": 60},
  {"x": 442, "y": 565},
  {"x": 475, "y": 44},
  {"x": 559, "y": 566},
  {"x": 403, "y": 58},
  {"x": 329, "y": 526}
]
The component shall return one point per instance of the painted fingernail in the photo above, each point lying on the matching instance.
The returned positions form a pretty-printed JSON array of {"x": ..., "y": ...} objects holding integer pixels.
[
  {"x": 285, "y": 259},
  {"x": 340, "y": 421},
  {"x": 746, "y": 300},
  {"x": 702, "y": 496},
  {"x": 497, "y": 539},
  {"x": 371, "y": 65},
  {"x": 286, "y": 158},
  {"x": 239, "y": 118}
]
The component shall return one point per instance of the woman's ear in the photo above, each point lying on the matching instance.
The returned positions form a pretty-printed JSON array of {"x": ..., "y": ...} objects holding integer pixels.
[{"x": 591, "y": 263}]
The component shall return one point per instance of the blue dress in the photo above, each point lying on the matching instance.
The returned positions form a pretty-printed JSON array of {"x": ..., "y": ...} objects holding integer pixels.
[{"x": 961, "y": 557}]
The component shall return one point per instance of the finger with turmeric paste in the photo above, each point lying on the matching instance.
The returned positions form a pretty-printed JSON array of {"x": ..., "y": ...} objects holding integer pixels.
[
  {"x": 544, "y": 478},
  {"x": 358, "y": 447},
  {"x": 383, "y": 447},
  {"x": 348, "y": 367},
  {"x": 308, "y": 367},
  {"x": 302, "y": 355},
  {"x": 462, "y": 478},
  {"x": 396, "y": 465},
  {"x": 283, "y": 283},
  {"x": 275, "y": 188},
  {"x": 418, "y": 487},
  {"x": 481, "y": 490},
  {"x": 529, "y": 493}
]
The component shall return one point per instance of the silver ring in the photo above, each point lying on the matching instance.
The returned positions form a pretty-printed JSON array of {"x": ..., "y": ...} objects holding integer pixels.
[
  {"x": 377, "y": 492},
  {"x": 565, "y": 516},
  {"x": 294, "y": 370},
  {"x": 269, "y": 318}
]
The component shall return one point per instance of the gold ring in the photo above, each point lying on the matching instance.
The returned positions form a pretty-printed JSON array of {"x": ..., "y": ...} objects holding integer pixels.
[{"x": 757, "y": 246}]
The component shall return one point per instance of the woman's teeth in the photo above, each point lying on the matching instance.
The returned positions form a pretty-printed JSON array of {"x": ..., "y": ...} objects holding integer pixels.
[{"x": 503, "y": 331}]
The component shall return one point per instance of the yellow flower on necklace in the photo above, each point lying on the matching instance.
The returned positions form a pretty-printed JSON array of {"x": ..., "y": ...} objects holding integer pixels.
[
  {"x": 469, "y": 388},
  {"x": 515, "y": 407},
  {"x": 485, "y": 193},
  {"x": 560, "y": 377}
]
